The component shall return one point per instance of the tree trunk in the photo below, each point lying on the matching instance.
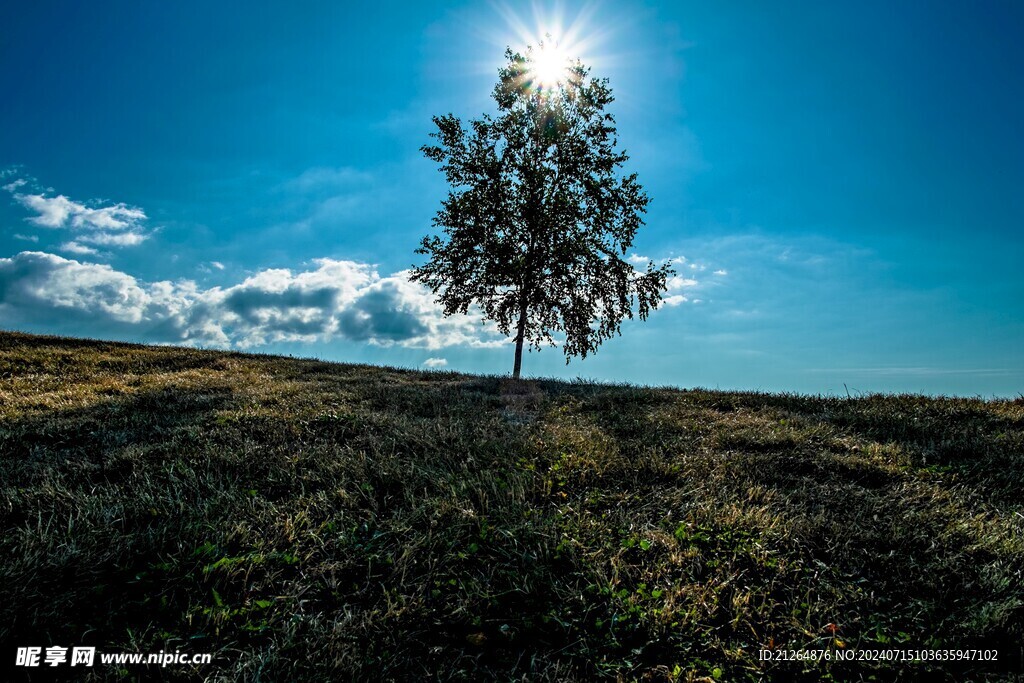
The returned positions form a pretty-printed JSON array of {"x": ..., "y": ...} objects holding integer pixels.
[{"x": 520, "y": 335}]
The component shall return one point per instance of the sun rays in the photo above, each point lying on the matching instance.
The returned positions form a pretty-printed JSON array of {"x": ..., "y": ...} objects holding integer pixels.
[{"x": 554, "y": 41}]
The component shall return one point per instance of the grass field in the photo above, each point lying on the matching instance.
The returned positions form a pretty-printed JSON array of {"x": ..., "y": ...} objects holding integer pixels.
[{"x": 303, "y": 520}]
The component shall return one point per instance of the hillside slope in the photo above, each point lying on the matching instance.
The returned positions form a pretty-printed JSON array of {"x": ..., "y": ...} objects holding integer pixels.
[{"x": 307, "y": 520}]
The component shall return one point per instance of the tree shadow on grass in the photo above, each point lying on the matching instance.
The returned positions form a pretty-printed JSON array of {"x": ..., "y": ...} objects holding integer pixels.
[
  {"x": 92, "y": 434},
  {"x": 62, "y": 471}
]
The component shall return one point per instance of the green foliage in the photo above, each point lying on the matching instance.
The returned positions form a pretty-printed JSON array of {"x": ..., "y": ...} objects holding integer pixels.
[
  {"x": 313, "y": 521},
  {"x": 538, "y": 217}
]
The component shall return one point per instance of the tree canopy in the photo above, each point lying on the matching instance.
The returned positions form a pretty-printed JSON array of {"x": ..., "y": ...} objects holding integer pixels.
[{"x": 538, "y": 217}]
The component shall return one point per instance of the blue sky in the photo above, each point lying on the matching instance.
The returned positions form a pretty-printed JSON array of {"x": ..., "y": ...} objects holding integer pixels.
[{"x": 839, "y": 183}]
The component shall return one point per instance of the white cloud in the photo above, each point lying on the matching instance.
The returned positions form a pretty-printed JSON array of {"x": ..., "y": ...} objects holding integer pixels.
[
  {"x": 435, "y": 362},
  {"x": 337, "y": 299},
  {"x": 51, "y": 213},
  {"x": 331, "y": 300},
  {"x": 637, "y": 259},
  {"x": 721, "y": 271},
  {"x": 210, "y": 267},
  {"x": 110, "y": 239},
  {"x": 26, "y": 238},
  {"x": 113, "y": 225},
  {"x": 74, "y": 247},
  {"x": 677, "y": 282},
  {"x": 36, "y": 281},
  {"x": 61, "y": 212}
]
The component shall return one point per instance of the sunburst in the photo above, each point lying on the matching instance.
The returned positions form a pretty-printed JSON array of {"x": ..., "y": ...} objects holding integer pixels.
[
  {"x": 551, "y": 43},
  {"x": 549, "y": 64}
]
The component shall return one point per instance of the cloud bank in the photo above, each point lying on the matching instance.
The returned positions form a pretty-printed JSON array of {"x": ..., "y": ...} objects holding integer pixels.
[
  {"x": 327, "y": 300},
  {"x": 332, "y": 300}
]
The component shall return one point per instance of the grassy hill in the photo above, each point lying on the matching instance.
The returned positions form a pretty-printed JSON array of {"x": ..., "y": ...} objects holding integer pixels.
[{"x": 308, "y": 520}]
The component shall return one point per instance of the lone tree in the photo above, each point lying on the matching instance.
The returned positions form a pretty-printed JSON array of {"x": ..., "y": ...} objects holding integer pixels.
[{"x": 538, "y": 219}]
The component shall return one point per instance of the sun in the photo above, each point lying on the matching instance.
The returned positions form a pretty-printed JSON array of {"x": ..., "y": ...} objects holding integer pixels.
[
  {"x": 554, "y": 44},
  {"x": 549, "y": 65}
]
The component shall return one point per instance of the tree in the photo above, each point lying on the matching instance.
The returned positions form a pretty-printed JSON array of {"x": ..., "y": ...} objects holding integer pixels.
[{"x": 538, "y": 219}]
